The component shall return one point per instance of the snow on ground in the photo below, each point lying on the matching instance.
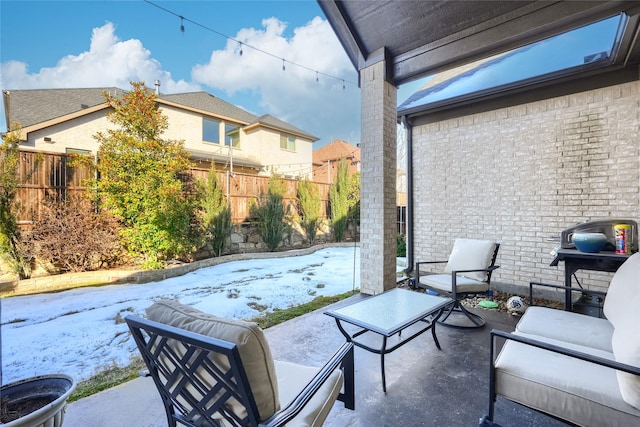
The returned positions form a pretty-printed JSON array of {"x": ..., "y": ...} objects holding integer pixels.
[{"x": 81, "y": 332}]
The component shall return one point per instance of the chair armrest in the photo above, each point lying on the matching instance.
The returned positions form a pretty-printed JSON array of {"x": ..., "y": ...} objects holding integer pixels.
[
  {"x": 493, "y": 267},
  {"x": 566, "y": 288},
  {"x": 454, "y": 284},
  {"x": 430, "y": 262},
  {"x": 425, "y": 262},
  {"x": 634, "y": 370},
  {"x": 343, "y": 357}
]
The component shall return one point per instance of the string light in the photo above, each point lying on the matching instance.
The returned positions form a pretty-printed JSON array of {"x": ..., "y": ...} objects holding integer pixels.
[{"x": 182, "y": 19}]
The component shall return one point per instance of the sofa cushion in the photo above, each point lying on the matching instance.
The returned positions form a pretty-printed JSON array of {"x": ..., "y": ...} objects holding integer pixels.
[
  {"x": 624, "y": 285},
  {"x": 626, "y": 349},
  {"x": 292, "y": 378},
  {"x": 249, "y": 338},
  {"x": 471, "y": 254},
  {"x": 565, "y": 387},
  {"x": 567, "y": 326}
]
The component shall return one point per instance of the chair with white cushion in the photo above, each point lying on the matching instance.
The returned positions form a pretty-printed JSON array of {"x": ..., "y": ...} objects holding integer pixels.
[
  {"x": 467, "y": 272},
  {"x": 212, "y": 371}
]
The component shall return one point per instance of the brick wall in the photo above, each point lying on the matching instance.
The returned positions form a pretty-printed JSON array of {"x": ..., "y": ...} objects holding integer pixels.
[{"x": 522, "y": 174}]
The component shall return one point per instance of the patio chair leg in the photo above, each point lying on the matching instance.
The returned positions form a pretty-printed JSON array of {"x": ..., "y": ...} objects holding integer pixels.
[
  {"x": 448, "y": 312},
  {"x": 478, "y": 322},
  {"x": 486, "y": 422}
]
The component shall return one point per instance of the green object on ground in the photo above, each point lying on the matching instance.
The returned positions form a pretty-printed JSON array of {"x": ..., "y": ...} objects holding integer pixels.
[{"x": 488, "y": 304}]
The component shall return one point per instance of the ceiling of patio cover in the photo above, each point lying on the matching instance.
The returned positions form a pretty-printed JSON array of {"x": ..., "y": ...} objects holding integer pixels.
[{"x": 424, "y": 37}]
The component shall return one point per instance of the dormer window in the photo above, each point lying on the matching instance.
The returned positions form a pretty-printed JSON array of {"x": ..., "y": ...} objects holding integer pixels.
[
  {"x": 231, "y": 135},
  {"x": 287, "y": 142}
]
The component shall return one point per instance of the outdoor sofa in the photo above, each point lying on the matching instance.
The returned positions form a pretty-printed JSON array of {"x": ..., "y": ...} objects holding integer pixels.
[{"x": 581, "y": 369}]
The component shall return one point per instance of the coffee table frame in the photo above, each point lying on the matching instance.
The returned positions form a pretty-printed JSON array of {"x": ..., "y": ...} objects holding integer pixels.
[{"x": 390, "y": 313}]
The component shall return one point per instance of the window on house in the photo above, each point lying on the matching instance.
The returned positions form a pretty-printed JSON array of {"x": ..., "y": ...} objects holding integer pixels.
[
  {"x": 288, "y": 142},
  {"x": 231, "y": 135},
  {"x": 211, "y": 130}
]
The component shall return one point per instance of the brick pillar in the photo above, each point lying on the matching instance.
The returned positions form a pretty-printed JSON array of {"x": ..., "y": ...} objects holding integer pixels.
[{"x": 378, "y": 180}]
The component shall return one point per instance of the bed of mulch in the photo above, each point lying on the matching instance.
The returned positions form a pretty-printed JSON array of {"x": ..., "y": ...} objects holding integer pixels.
[{"x": 499, "y": 297}]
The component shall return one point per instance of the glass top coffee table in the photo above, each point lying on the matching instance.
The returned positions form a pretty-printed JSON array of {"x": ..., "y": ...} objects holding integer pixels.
[{"x": 387, "y": 314}]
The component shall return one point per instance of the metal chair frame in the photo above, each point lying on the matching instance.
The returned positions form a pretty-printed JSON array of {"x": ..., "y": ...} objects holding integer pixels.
[
  {"x": 190, "y": 401},
  {"x": 456, "y": 306},
  {"x": 496, "y": 335}
]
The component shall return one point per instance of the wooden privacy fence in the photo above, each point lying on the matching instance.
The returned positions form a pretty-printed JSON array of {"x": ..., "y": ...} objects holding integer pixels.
[
  {"x": 50, "y": 175},
  {"x": 242, "y": 190}
]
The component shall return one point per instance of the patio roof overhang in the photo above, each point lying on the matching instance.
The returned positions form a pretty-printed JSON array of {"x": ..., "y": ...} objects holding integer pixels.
[
  {"x": 416, "y": 39},
  {"x": 425, "y": 37}
]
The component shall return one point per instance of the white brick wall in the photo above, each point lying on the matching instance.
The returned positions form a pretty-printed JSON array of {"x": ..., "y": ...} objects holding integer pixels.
[{"x": 522, "y": 174}]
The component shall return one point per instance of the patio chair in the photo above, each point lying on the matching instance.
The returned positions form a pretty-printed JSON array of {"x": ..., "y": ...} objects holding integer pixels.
[
  {"x": 212, "y": 371},
  {"x": 467, "y": 272}
]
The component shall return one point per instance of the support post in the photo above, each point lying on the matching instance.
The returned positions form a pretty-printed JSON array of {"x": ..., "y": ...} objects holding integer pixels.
[{"x": 378, "y": 177}]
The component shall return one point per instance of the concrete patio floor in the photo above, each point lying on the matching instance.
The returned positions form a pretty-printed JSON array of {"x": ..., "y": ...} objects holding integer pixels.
[{"x": 425, "y": 386}]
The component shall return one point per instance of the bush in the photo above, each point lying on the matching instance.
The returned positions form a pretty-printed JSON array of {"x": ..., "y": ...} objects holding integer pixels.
[
  {"x": 354, "y": 200},
  {"x": 73, "y": 237},
  {"x": 141, "y": 179},
  {"x": 215, "y": 214},
  {"x": 220, "y": 230},
  {"x": 269, "y": 212},
  {"x": 14, "y": 250},
  {"x": 309, "y": 206},
  {"x": 339, "y": 200},
  {"x": 402, "y": 246}
]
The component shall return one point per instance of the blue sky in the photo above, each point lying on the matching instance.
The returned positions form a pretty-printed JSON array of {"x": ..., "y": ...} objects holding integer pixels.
[{"x": 53, "y": 44}]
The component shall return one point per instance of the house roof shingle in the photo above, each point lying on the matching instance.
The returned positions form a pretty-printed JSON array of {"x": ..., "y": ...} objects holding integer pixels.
[
  {"x": 269, "y": 121},
  {"x": 337, "y": 149},
  {"x": 33, "y": 106},
  {"x": 206, "y": 102}
]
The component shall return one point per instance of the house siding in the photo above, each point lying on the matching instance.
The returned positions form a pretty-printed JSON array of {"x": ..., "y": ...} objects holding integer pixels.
[
  {"x": 265, "y": 145},
  {"x": 77, "y": 134},
  {"x": 522, "y": 174},
  {"x": 259, "y": 146}
]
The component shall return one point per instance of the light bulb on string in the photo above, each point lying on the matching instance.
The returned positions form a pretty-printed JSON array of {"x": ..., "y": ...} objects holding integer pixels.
[{"x": 240, "y": 52}]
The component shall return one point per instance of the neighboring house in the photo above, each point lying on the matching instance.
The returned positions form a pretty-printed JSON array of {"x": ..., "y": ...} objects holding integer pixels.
[
  {"x": 325, "y": 160},
  {"x": 65, "y": 121},
  {"x": 325, "y": 166}
]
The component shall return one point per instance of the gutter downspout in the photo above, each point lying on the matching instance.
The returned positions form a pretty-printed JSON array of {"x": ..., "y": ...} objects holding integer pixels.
[
  {"x": 410, "y": 252},
  {"x": 7, "y": 108}
]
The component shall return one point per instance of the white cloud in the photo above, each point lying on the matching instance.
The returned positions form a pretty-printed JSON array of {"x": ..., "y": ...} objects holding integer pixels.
[
  {"x": 322, "y": 107},
  {"x": 108, "y": 62}
]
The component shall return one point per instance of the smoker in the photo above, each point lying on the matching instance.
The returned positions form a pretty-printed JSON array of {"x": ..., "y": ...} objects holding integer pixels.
[{"x": 604, "y": 226}]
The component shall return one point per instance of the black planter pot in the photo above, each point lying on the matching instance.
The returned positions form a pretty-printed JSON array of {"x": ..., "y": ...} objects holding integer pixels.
[{"x": 40, "y": 401}]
